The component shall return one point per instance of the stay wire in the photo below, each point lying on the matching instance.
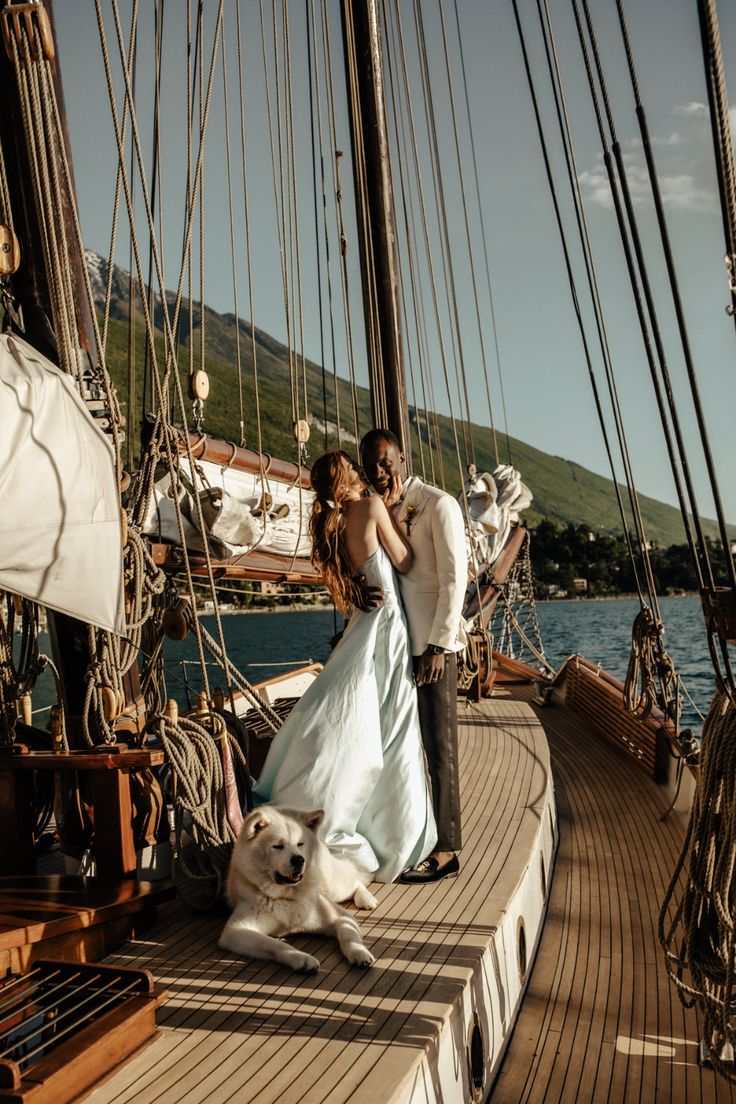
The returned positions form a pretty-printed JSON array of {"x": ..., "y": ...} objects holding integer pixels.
[
  {"x": 548, "y": 40},
  {"x": 701, "y": 559},
  {"x": 339, "y": 215},
  {"x": 249, "y": 250},
  {"x": 676, "y": 298},
  {"x": 468, "y": 236},
  {"x": 624, "y": 230},
  {"x": 485, "y": 251},
  {"x": 570, "y": 274},
  {"x": 400, "y": 139},
  {"x": 412, "y": 251},
  {"x": 722, "y": 668},
  {"x": 721, "y": 131},
  {"x": 448, "y": 266},
  {"x": 314, "y": 54},
  {"x": 231, "y": 216},
  {"x": 311, "y": 69}
]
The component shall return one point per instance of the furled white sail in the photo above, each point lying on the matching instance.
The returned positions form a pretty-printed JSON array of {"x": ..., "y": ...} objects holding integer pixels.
[
  {"x": 60, "y": 529},
  {"x": 494, "y": 504},
  {"x": 235, "y": 513}
]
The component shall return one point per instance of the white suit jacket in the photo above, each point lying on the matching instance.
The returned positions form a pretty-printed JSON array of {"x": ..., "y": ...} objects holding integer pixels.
[{"x": 433, "y": 589}]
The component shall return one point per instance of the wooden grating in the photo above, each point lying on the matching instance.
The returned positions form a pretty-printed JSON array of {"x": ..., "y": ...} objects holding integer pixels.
[{"x": 63, "y": 1026}]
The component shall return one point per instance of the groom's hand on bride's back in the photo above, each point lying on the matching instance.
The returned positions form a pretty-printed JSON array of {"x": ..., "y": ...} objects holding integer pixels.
[{"x": 368, "y": 597}]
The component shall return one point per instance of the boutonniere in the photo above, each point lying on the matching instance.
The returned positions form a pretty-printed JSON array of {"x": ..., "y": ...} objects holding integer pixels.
[{"x": 412, "y": 502}]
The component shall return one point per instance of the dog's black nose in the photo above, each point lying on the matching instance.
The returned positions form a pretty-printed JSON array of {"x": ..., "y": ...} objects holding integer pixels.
[{"x": 297, "y": 861}]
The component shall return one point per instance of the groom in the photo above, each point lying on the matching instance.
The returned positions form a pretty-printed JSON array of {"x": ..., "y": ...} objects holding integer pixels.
[{"x": 433, "y": 591}]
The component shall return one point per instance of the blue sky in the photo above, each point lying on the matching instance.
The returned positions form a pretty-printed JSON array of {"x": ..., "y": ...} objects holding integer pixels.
[{"x": 547, "y": 394}]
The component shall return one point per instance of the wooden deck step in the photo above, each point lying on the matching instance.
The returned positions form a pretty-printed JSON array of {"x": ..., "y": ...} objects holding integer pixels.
[
  {"x": 600, "y": 1021},
  {"x": 75, "y": 919},
  {"x": 246, "y": 1032}
]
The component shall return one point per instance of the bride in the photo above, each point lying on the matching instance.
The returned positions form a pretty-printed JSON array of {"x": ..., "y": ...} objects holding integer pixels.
[{"x": 352, "y": 744}]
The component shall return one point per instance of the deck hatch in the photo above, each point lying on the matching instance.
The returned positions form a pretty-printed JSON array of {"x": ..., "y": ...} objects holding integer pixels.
[{"x": 60, "y": 1027}]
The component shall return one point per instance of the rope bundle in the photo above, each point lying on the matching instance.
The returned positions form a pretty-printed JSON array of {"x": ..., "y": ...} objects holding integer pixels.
[
  {"x": 647, "y": 663},
  {"x": 193, "y": 751},
  {"x": 699, "y": 936}
]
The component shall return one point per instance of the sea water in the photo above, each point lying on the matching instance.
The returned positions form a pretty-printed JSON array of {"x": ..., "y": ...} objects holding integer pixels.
[{"x": 265, "y": 644}]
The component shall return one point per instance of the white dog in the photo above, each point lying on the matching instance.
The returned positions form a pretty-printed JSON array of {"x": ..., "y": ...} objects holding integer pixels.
[{"x": 284, "y": 879}]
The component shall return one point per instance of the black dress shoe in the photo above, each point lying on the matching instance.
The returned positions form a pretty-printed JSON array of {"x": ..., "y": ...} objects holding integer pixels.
[{"x": 431, "y": 871}]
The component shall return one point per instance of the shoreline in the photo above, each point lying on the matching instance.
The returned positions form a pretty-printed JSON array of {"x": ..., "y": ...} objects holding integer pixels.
[
  {"x": 328, "y": 608},
  {"x": 300, "y": 608}
]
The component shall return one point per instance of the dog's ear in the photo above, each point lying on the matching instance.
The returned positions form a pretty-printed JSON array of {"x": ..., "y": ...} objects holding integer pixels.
[
  {"x": 254, "y": 823},
  {"x": 313, "y": 820}
]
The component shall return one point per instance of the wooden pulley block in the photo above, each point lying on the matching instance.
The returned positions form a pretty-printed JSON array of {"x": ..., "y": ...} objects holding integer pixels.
[
  {"x": 198, "y": 385},
  {"x": 177, "y": 619},
  {"x": 110, "y": 703},
  {"x": 25, "y": 709},
  {"x": 202, "y": 709},
  {"x": 301, "y": 431},
  {"x": 9, "y": 251},
  {"x": 19, "y": 17},
  {"x": 125, "y": 479}
]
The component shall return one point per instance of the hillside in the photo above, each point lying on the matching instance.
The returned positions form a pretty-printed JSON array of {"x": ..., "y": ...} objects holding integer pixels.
[{"x": 563, "y": 490}]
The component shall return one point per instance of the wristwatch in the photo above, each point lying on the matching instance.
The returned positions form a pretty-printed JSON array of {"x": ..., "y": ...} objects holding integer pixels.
[{"x": 436, "y": 649}]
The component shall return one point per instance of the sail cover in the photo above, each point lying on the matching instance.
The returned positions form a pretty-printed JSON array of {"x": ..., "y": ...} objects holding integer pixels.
[{"x": 60, "y": 529}]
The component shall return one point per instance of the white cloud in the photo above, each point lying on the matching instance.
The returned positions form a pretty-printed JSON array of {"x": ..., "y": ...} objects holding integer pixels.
[
  {"x": 683, "y": 192},
  {"x": 673, "y": 139},
  {"x": 679, "y": 191},
  {"x": 594, "y": 184},
  {"x": 692, "y": 110}
]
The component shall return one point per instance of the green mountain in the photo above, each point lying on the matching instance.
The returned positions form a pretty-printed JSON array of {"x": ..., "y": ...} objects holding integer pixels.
[{"x": 563, "y": 490}]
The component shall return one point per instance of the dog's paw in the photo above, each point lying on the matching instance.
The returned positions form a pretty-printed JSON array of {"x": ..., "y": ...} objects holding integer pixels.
[
  {"x": 301, "y": 962},
  {"x": 360, "y": 956},
  {"x": 364, "y": 899}
]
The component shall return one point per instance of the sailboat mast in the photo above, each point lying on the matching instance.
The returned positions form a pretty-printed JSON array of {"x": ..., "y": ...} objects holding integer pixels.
[
  {"x": 30, "y": 284},
  {"x": 376, "y": 214},
  {"x": 28, "y": 33}
]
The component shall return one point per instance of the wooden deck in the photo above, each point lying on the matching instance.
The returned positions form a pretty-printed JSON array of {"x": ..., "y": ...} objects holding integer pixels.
[
  {"x": 240, "y": 1031},
  {"x": 600, "y": 1020}
]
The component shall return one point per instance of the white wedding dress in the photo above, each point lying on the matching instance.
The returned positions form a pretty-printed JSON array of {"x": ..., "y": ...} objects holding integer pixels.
[{"x": 352, "y": 744}]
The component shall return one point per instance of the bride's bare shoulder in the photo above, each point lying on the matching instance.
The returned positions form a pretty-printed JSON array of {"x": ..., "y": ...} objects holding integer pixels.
[{"x": 370, "y": 506}]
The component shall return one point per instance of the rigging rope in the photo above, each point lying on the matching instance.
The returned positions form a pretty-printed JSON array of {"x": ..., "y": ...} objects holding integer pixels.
[
  {"x": 720, "y": 120},
  {"x": 697, "y": 921}
]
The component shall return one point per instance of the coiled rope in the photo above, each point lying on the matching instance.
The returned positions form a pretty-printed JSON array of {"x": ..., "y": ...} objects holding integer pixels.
[
  {"x": 649, "y": 663},
  {"x": 194, "y": 753},
  {"x": 697, "y": 922}
]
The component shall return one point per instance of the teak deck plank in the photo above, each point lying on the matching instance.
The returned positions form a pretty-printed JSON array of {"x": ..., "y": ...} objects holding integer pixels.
[
  {"x": 607, "y": 1026},
  {"x": 600, "y": 1020},
  {"x": 253, "y": 1031}
]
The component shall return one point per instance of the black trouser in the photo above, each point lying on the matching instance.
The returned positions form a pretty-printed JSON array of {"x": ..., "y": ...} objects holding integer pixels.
[{"x": 437, "y": 703}]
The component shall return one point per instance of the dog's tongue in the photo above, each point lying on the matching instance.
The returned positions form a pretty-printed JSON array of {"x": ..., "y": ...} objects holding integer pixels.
[{"x": 291, "y": 879}]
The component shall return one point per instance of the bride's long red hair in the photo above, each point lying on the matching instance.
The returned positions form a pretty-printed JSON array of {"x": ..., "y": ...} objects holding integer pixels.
[{"x": 327, "y": 528}]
